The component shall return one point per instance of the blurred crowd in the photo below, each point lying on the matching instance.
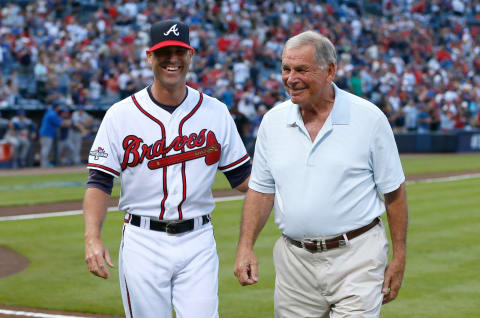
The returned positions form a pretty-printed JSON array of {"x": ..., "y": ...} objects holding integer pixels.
[{"x": 419, "y": 61}]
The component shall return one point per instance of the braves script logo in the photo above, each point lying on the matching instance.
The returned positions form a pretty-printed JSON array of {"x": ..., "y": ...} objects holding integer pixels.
[
  {"x": 173, "y": 29},
  {"x": 100, "y": 152},
  {"x": 202, "y": 146}
]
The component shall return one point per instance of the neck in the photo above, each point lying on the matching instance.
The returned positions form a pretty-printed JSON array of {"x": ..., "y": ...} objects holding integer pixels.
[{"x": 168, "y": 96}]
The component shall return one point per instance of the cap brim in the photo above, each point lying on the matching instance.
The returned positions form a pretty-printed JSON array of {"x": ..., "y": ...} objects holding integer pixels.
[{"x": 169, "y": 43}]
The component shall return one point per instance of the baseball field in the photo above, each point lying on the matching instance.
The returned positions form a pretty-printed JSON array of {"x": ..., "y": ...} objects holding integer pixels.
[{"x": 442, "y": 276}]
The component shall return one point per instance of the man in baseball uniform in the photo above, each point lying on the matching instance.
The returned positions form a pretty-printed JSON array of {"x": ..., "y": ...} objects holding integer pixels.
[
  {"x": 166, "y": 142},
  {"x": 331, "y": 260}
]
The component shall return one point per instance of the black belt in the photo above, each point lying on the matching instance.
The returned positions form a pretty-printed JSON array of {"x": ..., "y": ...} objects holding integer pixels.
[
  {"x": 172, "y": 227},
  {"x": 338, "y": 241}
]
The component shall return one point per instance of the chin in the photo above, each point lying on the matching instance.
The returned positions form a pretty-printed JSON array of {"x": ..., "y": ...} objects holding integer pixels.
[{"x": 296, "y": 99}]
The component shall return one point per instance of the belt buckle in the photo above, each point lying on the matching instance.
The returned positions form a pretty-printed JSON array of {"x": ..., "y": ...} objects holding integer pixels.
[
  {"x": 319, "y": 245},
  {"x": 170, "y": 227}
]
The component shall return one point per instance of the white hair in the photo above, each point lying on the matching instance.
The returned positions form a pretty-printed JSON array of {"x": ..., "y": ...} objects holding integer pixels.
[{"x": 324, "y": 50}]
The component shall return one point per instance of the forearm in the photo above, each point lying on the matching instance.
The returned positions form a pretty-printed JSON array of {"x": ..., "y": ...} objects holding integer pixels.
[
  {"x": 256, "y": 210},
  {"x": 95, "y": 210},
  {"x": 397, "y": 214}
]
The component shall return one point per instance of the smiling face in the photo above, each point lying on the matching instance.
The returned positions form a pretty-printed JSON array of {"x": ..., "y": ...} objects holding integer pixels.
[
  {"x": 170, "y": 66},
  {"x": 304, "y": 80}
]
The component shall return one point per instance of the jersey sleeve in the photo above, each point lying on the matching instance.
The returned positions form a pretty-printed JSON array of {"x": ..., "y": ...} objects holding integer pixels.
[
  {"x": 56, "y": 120},
  {"x": 233, "y": 152},
  {"x": 104, "y": 154},
  {"x": 384, "y": 158},
  {"x": 261, "y": 179}
]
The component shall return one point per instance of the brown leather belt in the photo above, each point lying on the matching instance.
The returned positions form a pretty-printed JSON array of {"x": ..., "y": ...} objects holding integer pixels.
[{"x": 338, "y": 241}]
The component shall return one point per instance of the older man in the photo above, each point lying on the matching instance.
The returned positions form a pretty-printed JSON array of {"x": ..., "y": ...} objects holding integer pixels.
[{"x": 323, "y": 159}]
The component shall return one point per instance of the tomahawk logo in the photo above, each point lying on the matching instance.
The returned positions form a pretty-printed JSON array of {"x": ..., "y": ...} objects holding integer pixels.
[
  {"x": 100, "y": 152},
  {"x": 173, "y": 29}
]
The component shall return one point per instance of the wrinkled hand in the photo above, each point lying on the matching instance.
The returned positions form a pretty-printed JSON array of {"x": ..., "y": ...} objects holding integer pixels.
[
  {"x": 246, "y": 267},
  {"x": 95, "y": 256},
  {"x": 393, "y": 280}
]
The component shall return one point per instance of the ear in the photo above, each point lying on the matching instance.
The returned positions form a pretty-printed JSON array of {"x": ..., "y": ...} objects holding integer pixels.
[
  {"x": 149, "y": 57},
  {"x": 332, "y": 71}
]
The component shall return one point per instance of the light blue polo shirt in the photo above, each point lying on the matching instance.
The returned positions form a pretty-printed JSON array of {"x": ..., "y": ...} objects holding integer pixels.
[{"x": 333, "y": 184}]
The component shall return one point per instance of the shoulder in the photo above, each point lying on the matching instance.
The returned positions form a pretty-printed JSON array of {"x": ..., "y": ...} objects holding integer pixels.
[{"x": 278, "y": 111}]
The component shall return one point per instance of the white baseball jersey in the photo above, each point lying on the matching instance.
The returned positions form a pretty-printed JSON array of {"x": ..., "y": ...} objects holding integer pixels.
[{"x": 167, "y": 161}]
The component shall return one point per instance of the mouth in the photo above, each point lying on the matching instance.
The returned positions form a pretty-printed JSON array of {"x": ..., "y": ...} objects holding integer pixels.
[{"x": 171, "y": 69}]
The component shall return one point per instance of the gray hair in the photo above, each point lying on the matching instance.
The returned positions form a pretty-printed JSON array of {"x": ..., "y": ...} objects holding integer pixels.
[{"x": 324, "y": 50}]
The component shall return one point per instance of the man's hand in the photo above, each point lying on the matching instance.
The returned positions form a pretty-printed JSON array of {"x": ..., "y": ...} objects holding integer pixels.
[
  {"x": 397, "y": 214},
  {"x": 95, "y": 256},
  {"x": 95, "y": 211},
  {"x": 393, "y": 280},
  {"x": 246, "y": 267}
]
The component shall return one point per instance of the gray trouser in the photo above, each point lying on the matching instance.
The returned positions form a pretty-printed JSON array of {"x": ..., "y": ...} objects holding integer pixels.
[
  {"x": 76, "y": 139},
  {"x": 45, "y": 148},
  {"x": 20, "y": 151}
]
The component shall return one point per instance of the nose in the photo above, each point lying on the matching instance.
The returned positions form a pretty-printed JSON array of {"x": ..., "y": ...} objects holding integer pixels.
[{"x": 291, "y": 79}]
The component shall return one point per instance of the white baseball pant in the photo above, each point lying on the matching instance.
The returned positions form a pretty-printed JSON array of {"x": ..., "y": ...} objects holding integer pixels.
[{"x": 158, "y": 270}]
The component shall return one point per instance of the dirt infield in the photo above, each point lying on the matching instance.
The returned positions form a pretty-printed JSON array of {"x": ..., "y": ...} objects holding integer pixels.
[{"x": 12, "y": 262}]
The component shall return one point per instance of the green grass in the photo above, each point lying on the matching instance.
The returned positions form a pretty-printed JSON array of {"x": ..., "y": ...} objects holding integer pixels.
[{"x": 441, "y": 280}]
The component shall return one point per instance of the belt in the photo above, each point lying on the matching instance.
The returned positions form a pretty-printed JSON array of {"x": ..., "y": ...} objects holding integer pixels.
[
  {"x": 314, "y": 245},
  {"x": 171, "y": 227}
]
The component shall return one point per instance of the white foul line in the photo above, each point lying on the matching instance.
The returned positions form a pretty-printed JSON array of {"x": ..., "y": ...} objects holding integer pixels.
[
  {"x": 76, "y": 212},
  {"x": 34, "y": 314},
  {"x": 452, "y": 178}
]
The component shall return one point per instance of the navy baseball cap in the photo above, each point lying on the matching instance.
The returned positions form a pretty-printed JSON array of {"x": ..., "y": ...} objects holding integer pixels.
[{"x": 169, "y": 33}]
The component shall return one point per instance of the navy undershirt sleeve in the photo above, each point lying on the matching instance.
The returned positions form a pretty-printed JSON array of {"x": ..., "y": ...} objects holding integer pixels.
[
  {"x": 100, "y": 180},
  {"x": 239, "y": 174}
]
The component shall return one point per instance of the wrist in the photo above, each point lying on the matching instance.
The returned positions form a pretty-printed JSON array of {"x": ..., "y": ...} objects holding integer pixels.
[{"x": 92, "y": 237}]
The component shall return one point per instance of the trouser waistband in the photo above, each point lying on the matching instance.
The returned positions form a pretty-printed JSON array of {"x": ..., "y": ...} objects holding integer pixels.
[{"x": 338, "y": 241}]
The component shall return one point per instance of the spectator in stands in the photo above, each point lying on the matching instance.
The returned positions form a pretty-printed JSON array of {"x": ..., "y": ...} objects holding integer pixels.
[
  {"x": 411, "y": 116},
  {"x": 48, "y": 131},
  {"x": 476, "y": 121},
  {"x": 242, "y": 123},
  {"x": 4, "y": 124},
  {"x": 81, "y": 127},
  {"x": 8, "y": 93},
  {"x": 434, "y": 113},
  {"x": 40, "y": 71},
  {"x": 423, "y": 120},
  {"x": 24, "y": 134},
  {"x": 447, "y": 121},
  {"x": 65, "y": 151}
]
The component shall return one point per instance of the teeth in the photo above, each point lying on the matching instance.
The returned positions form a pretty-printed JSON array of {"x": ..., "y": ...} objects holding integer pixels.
[{"x": 169, "y": 68}]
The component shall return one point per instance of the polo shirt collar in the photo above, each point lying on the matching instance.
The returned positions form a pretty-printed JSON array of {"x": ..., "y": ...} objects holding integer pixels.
[
  {"x": 340, "y": 113},
  {"x": 341, "y": 107}
]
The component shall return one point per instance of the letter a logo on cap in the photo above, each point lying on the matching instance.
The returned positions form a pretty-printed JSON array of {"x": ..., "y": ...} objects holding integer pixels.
[{"x": 173, "y": 29}]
